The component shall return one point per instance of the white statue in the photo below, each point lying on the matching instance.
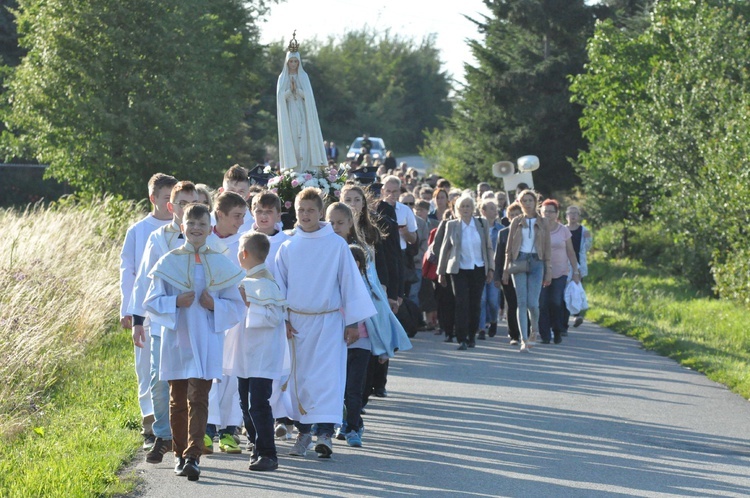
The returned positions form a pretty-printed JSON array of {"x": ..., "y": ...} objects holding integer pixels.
[{"x": 300, "y": 139}]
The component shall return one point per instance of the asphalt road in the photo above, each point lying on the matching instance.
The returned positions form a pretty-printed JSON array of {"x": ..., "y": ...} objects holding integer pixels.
[{"x": 593, "y": 416}]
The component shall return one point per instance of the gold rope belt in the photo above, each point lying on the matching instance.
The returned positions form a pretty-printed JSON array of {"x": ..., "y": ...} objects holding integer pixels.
[{"x": 312, "y": 313}]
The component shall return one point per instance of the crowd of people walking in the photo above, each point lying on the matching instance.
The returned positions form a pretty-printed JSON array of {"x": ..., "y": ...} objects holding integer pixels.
[{"x": 240, "y": 322}]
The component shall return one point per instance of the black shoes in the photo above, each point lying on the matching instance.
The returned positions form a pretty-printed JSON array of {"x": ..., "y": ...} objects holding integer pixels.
[
  {"x": 191, "y": 469},
  {"x": 492, "y": 330},
  {"x": 472, "y": 343},
  {"x": 558, "y": 339},
  {"x": 545, "y": 341},
  {"x": 449, "y": 339},
  {"x": 161, "y": 446},
  {"x": 381, "y": 393},
  {"x": 481, "y": 335},
  {"x": 179, "y": 466},
  {"x": 463, "y": 347},
  {"x": 264, "y": 464}
]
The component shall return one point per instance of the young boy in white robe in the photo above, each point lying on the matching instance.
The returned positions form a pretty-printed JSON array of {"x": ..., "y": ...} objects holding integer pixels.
[
  {"x": 256, "y": 355},
  {"x": 195, "y": 297},
  {"x": 326, "y": 297},
  {"x": 267, "y": 213},
  {"x": 148, "y": 337},
  {"x": 159, "y": 189},
  {"x": 224, "y": 413},
  {"x": 237, "y": 180}
]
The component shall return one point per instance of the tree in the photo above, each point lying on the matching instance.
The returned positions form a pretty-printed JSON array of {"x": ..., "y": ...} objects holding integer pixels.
[
  {"x": 516, "y": 100},
  {"x": 667, "y": 122},
  {"x": 111, "y": 92}
]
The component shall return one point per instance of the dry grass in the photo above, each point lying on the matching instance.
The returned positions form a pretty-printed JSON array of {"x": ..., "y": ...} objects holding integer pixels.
[{"x": 59, "y": 280}]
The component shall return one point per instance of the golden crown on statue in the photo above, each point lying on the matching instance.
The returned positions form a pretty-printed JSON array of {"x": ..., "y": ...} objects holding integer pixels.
[{"x": 293, "y": 45}]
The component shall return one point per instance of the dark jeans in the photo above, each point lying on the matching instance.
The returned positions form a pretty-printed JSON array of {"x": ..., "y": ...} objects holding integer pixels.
[
  {"x": 510, "y": 296},
  {"x": 257, "y": 414},
  {"x": 446, "y": 308},
  {"x": 377, "y": 377},
  {"x": 551, "y": 306},
  {"x": 467, "y": 290},
  {"x": 357, "y": 361}
]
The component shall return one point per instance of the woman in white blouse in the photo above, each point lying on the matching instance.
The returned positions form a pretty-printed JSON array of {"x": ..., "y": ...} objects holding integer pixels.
[{"x": 465, "y": 261}]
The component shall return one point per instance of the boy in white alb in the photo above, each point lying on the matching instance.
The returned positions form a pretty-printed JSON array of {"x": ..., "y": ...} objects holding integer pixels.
[
  {"x": 237, "y": 180},
  {"x": 327, "y": 298},
  {"x": 159, "y": 243},
  {"x": 224, "y": 414},
  {"x": 159, "y": 189},
  {"x": 267, "y": 213},
  {"x": 256, "y": 355},
  {"x": 194, "y": 296}
]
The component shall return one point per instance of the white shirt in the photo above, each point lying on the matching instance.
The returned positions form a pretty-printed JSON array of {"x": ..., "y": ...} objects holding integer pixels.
[
  {"x": 471, "y": 246},
  {"x": 527, "y": 241},
  {"x": 132, "y": 254},
  {"x": 405, "y": 217}
]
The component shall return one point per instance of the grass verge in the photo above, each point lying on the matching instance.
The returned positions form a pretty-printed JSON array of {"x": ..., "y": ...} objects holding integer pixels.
[
  {"x": 86, "y": 431},
  {"x": 702, "y": 333}
]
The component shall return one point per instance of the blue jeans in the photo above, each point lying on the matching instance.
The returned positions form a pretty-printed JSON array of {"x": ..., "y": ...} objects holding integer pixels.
[
  {"x": 528, "y": 287},
  {"x": 416, "y": 286},
  {"x": 159, "y": 393},
  {"x": 490, "y": 305},
  {"x": 551, "y": 306},
  {"x": 257, "y": 415}
]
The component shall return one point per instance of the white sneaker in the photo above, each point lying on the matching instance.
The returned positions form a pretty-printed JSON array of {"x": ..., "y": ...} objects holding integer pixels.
[
  {"x": 280, "y": 431},
  {"x": 324, "y": 446},
  {"x": 289, "y": 431},
  {"x": 300, "y": 445}
]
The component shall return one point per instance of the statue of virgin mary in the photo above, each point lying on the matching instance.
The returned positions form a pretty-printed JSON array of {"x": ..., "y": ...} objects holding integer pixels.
[{"x": 300, "y": 139}]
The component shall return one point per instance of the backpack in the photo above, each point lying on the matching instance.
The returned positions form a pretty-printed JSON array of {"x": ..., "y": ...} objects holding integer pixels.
[
  {"x": 430, "y": 259},
  {"x": 409, "y": 315}
]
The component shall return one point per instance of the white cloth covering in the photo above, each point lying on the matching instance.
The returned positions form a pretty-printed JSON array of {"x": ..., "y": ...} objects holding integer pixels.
[
  {"x": 281, "y": 402},
  {"x": 224, "y": 397},
  {"x": 131, "y": 255},
  {"x": 193, "y": 337},
  {"x": 300, "y": 139},
  {"x": 259, "y": 349},
  {"x": 324, "y": 291}
]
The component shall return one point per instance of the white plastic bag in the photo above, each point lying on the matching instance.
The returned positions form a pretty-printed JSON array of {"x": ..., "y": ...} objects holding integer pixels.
[{"x": 575, "y": 298}]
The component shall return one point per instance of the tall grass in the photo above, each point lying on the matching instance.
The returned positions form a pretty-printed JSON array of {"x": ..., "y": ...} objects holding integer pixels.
[{"x": 59, "y": 292}]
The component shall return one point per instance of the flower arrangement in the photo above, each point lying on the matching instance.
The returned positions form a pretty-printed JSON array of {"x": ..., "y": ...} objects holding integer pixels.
[{"x": 289, "y": 183}]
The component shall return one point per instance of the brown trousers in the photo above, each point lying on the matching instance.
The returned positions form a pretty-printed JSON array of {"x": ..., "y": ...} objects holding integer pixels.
[{"x": 188, "y": 415}]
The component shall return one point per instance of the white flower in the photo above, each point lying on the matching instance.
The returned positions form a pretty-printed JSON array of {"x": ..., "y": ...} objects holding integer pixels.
[
  {"x": 267, "y": 169},
  {"x": 311, "y": 183},
  {"x": 274, "y": 181}
]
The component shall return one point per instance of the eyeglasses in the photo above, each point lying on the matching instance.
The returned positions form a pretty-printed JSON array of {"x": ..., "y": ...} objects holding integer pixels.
[{"x": 407, "y": 203}]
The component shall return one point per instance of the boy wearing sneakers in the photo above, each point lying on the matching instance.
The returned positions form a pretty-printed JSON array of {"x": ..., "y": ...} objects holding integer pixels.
[
  {"x": 267, "y": 213},
  {"x": 321, "y": 323},
  {"x": 159, "y": 189},
  {"x": 194, "y": 296}
]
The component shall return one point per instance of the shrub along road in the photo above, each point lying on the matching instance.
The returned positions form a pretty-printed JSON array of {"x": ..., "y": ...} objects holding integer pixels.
[{"x": 594, "y": 416}]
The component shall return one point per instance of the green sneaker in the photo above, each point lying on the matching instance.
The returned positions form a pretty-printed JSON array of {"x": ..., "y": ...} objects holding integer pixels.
[
  {"x": 228, "y": 444},
  {"x": 208, "y": 445}
]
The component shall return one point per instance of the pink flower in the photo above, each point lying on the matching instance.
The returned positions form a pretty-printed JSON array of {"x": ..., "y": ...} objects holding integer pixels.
[
  {"x": 308, "y": 176},
  {"x": 331, "y": 178},
  {"x": 295, "y": 183},
  {"x": 337, "y": 193},
  {"x": 287, "y": 204},
  {"x": 275, "y": 190}
]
